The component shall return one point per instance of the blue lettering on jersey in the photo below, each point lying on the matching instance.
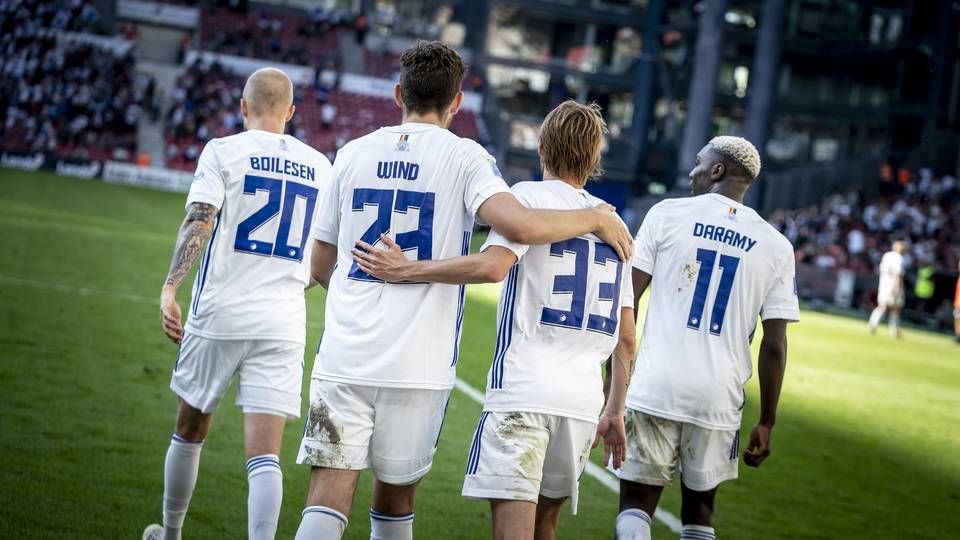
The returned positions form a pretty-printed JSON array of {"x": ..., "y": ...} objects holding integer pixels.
[
  {"x": 398, "y": 169},
  {"x": 283, "y": 166},
  {"x": 723, "y": 234}
]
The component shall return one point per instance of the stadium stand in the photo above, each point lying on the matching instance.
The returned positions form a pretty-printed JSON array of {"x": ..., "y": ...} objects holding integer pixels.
[
  {"x": 850, "y": 231},
  {"x": 271, "y": 35},
  {"x": 22, "y": 20},
  {"x": 205, "y": 105},
  {"x": 70, "y": 98}
]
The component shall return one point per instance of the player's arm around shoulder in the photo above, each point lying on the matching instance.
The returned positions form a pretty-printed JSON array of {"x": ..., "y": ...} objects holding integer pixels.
[
  {"x": 391, "y": 265},
  {"x": 507, "y": 214}
]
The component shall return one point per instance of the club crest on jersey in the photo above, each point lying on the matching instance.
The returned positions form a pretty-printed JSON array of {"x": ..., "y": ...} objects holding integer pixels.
[
  {"x": 283, "y": 145},
  {"x": 403, "y": 145},
  {"x": 732, "y": 214}
]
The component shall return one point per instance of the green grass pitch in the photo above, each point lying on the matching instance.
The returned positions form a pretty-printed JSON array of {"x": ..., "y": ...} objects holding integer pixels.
[{"x": 867, "y": 443}]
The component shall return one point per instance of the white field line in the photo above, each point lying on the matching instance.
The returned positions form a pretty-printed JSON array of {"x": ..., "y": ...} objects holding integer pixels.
[
  {"x": 593, "y": 470},
  {"x": 82, "y": 291}
]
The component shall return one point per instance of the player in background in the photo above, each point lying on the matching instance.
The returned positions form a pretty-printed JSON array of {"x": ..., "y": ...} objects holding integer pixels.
[
  {"x": 387, "y": 360},
  {"x": 890, "y": 294},
  {"x": 714, "y": 267},
  {"x": 956, "y": 309},
  {"x": 252, "y": 203},
  {"x": 565, "y": 307}
]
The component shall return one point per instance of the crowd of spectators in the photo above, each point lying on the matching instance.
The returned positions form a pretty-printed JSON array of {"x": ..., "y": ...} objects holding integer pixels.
[
  {"x": 852, "y": 231},
  {"x": 205, "y": 105},
  {"x": 26, "y": 17},
  {"x": 274, "y": 35},
  {"x": 64, "y": 96},
  {"x": 70, "y": 98}
]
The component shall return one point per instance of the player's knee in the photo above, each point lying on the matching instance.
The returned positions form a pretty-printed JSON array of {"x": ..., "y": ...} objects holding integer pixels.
[
  {"x": 394, "y": 499},
  {"x": 696, "y": 507},
  {"x": 636, "y": 495},
  {"x": 192, "y": 424}
]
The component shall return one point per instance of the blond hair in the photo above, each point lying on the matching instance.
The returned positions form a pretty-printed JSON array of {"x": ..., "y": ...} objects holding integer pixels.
[
  {"x": 740, "y": 151},
  {"x": 571, "y": 139}
]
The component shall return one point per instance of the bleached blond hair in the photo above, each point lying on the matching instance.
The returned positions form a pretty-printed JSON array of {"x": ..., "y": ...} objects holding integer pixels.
[{"x": 740, "y": 151}]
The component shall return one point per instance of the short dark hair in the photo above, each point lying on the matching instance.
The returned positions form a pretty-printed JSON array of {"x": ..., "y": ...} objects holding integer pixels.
[{"x": 431, "y": 74}]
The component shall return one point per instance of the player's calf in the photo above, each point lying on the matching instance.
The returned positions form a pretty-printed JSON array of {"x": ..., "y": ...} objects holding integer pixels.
[
  {"x": 548, "y": 515},
  {"x": 513, "y": 520},
  {"x": 391, "y": 510}
]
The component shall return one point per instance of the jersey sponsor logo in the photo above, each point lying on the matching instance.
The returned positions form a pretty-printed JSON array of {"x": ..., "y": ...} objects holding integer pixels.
[
  {"x": 283, "y": 166},
  {"x": 723, "y": 234},
  {"x": 403, "y": 145},
  {"x": 398, "y": 169}
]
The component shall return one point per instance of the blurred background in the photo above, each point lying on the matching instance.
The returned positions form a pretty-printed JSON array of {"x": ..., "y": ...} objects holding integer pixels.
[{"x": 853, "y": 104}]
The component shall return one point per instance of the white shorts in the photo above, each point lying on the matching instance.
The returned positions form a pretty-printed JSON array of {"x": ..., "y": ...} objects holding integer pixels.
[
  {"x": 393, "y": 431},
  {"x": 270, "y": 373},
  {"x": 520, "y": 456},
  {"x": 886, "y": 298},
  {"x": 657, "y": 448}
]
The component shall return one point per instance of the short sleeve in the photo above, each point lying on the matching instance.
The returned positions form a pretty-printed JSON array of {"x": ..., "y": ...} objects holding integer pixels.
[
  {"x": 482, "y": 180},
  {"x": 496, "y": 239},
  {"x": 207, "y": 186},
  {"x": 645, "y": 244},
  {"x": 626, "y": 287},
  {"x": 326, "y": 226},
  {"x": 781, "y": 301}
]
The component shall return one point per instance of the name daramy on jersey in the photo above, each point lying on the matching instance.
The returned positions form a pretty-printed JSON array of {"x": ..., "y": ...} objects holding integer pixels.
[{"x": 716, "y": 267}]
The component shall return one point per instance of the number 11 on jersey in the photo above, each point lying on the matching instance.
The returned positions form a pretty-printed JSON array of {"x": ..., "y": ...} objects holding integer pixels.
[{"x": 728, "y": 265}]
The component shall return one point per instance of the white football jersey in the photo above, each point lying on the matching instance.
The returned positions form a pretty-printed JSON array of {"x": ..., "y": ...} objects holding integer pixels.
[
  {"x": 716, "y": 266},
  {"x": 558, "y": 317},
  {"x": 269, "y": 188},
  {"x": 891, "y": 268},
  {"x": 422, "y": 186}
]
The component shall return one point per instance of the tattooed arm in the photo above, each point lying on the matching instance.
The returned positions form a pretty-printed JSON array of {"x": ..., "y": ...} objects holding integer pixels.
[{"x": 194, "y": 233}]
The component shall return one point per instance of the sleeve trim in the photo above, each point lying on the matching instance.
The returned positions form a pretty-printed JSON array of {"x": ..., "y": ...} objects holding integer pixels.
[{"x": 789, "y": 315}]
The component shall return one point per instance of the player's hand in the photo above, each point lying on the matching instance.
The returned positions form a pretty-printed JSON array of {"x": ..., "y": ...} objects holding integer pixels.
[
  {"x": 759, "y": 447},
  {"x": 613, "y": 232},
  {"x": 170, "y": 314},
  {"x": 387, "y": 263},
  {"x": 611, "y": 429}
]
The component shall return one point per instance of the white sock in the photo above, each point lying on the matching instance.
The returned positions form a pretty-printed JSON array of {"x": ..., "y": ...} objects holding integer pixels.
[
  {"x": 266, "y": 494},
  {"x": 179, "y": 478},
  {"x": 894, "y": 323},
  {"x": 875, "y": 317},
  {"x": 387, "y": 527},
  {"x": 697, "y": 532},
  {"x": 633, "y": 524},
  {"x": 321, "y": 523}
]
